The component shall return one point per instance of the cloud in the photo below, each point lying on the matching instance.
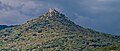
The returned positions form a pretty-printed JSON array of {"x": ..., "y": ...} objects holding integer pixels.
[
  {"x": 17, "y": 11},
  {"x": 83, "y": 20},
  {"x": 12, "y": 17}
]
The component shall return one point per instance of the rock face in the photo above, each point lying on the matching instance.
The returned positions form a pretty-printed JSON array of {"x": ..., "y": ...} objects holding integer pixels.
[
  {"x": 54, "y": 31},
  {"x": 51, "y": 10}
]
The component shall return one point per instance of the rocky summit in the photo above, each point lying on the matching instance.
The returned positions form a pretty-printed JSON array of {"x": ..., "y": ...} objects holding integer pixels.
[{"x": 53, "y": 31}]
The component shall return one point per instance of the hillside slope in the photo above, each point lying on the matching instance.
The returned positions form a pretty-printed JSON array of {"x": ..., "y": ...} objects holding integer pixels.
[{"x": 54, "y": 31}]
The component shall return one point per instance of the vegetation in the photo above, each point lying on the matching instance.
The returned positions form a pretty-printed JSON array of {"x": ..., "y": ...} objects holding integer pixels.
[{"x": 53, "y": 31}]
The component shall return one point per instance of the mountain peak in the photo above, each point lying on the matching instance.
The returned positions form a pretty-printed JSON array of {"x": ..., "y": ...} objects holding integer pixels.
[{"x": 52, "y": 12}]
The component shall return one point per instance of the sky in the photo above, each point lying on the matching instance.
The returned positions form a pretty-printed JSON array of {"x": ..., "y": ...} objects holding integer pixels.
[{"x": 100, "y": 15}]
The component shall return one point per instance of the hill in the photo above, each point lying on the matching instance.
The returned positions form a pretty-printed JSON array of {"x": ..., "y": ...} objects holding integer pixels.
[
  {"x": 53, "y": 31},
  {"x": 4, "y": 26}
]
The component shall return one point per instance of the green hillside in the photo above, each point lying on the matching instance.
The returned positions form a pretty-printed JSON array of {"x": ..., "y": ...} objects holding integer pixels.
[{"x": 53, "y": 31}]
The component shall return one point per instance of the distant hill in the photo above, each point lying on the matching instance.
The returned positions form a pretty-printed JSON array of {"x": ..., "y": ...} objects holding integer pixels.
[
  {"x": 53, "y": 31},
  {"x": 4, "y": 26}
]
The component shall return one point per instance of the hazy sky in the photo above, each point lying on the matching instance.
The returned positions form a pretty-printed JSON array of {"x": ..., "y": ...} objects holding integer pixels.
[{"x": 101, "y": 15}]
